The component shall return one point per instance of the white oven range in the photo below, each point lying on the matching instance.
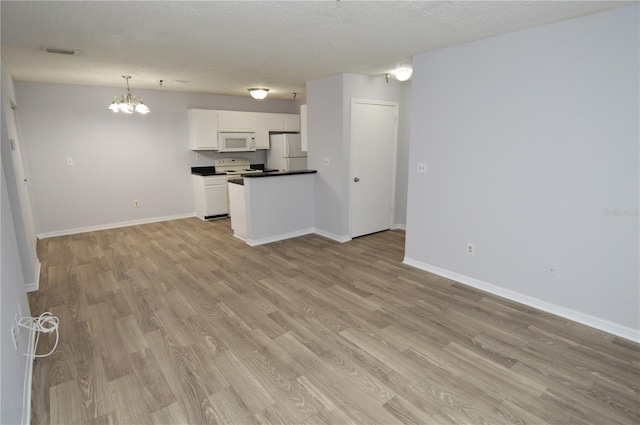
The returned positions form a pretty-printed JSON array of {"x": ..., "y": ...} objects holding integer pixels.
[{"x": 233, "y": 167}]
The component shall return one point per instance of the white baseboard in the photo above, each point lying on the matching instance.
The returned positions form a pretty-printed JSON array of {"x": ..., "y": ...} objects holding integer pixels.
[
  {"x": 576, "y": 316},
  {"x": 32, "y": 287},
  {"x": 400, "y": 226},
  {"x": 276, "y": 238},
  {"x": 332, "y": 236},
  {"x": 113, "y": 225}
]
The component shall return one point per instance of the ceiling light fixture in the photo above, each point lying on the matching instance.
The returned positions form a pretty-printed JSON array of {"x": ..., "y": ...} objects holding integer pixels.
[
  {"x": 403, "y": 73},
  {"x": 128, "y": 103},
  {"x": 258, "y": 93}
]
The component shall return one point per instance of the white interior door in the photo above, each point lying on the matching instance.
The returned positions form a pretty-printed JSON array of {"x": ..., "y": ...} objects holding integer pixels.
[
  {"x": 374, "y": 132},
  {"x": 23, "y": 190}
]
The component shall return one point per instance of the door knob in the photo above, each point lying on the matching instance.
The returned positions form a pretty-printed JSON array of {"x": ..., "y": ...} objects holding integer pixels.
[{"x": 356, "y": 179}]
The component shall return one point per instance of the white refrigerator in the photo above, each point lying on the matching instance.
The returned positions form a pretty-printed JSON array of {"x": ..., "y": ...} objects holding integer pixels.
[{"x": 285, "y": 153}]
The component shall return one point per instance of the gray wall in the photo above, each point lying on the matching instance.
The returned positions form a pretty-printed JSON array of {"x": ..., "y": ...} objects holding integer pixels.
[
  {"x": 12, "y": 287},
  {"x": 117, "y": 158},
  {"x": 531, "y": 141},
  {"x": 329, "y": 111},
  {"x": 325, "y": 133},
  {"x": 9, "y": 131}
]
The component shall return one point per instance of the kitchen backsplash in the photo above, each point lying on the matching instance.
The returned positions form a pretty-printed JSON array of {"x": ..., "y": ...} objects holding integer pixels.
[{"x": 207, "y": 157}]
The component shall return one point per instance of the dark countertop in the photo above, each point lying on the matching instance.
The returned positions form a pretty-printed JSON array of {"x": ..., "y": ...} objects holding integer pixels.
[
  {"x": 206, "y": 171},
  {"x": 278, "y": 173},
  {"x": 211, "y": 170},
  {"x": 237, "y": 181}
]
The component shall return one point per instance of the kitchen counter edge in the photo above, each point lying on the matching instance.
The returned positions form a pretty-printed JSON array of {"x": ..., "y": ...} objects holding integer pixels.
[
  {"x": 277, "y": 173},
  {"x": 206, "y": 171}
]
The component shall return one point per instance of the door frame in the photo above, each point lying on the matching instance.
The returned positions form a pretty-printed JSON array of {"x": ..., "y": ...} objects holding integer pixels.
[
  {"x": 394, "y": 165},
  {"x": 23, "y": 188}
]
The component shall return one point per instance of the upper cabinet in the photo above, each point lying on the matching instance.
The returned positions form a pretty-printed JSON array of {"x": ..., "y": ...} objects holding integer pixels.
[
  {"x": 204, "y": 125},
  {"x": 261, "y": 128},
  {"x": 284, "y": 122},
  {"x": 235, "y": 121},
  {"x": 203, "y": 129}
]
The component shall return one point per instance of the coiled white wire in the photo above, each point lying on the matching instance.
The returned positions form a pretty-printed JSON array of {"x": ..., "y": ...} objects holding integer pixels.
[{"x": 45, "y": 323}]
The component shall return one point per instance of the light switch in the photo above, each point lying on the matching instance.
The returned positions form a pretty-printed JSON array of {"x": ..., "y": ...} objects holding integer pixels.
[
  {"x": 69, "y": 162},
  {"x": 326, "y": 161}
]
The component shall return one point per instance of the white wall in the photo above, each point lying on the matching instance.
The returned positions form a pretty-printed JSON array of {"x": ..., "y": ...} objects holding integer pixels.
[
  {"x": 10, "y": 131},
  {"x": 279, "y": 207},
  {"x": 329, "y": 117},
  {"x": 531, "y": 140},
  {"x": 12, "y": 292},
  {"x": 402, "y": 157},
  {"x": 117, "y": 158}
]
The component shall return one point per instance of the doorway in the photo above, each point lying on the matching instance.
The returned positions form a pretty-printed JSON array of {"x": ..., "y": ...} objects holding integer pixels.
[{"x": 374, "y": 135}]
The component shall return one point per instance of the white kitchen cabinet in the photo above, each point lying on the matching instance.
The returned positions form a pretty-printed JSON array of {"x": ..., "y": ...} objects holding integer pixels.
[
  {"x": 203, "y": 129},
  {"x": 210, "y": 196},
  {"x": 283, "y": 122},
  {"x": 261, "y": 129},
  {"x": 292, "y": 122},
  {"x": 235, "y": 121},
  {"x": 276, "y": 122},
  {"x": 304, "y": 142}
]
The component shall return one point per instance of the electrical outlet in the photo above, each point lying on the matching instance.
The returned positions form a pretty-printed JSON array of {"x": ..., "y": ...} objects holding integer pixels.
[
  {"x": 15, "y": 337},
  {"x": 70, "y": 162},
  {"x": 422, "y": 168},
  {"x": 136, "y": 203},
  {"x": 471, "y": 249},
  {"x": 326, "y": 161},
  {"x": 551, "y": 270}
]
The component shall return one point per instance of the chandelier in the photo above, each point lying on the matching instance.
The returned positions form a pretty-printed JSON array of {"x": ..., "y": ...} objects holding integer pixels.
[{"x": 128, "y": 103}]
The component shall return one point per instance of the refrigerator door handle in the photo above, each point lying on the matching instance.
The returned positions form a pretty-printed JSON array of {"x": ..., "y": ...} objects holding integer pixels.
[
  {"x": 287, "y": 162},
  {"x": 287, "y": 147}
]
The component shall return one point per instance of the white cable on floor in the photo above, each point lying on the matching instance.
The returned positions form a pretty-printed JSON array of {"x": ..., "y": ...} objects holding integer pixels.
[{"x": 45, "y": 323}]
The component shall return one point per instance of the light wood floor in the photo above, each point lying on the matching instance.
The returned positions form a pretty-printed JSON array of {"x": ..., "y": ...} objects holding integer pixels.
[{"x": 178, "y": 322}]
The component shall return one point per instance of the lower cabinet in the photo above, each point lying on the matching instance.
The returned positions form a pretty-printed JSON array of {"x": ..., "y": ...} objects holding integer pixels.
[{"x": 210, "y": 196}]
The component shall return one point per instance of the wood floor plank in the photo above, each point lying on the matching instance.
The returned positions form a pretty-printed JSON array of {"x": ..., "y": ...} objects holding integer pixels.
[
  {"x": 180, "y": 322},
  {"x": 153, "y": 387},
  {"x": 97, "y": 398},
  {"x": 178, "y": 371},
  {"x": 66, "y": 404},
  {"x": 171, "y": 414},
  {"x": 253, "y": 394},
  {"x": 128, "y": 400},
  {"x": 228, "y": 408}
]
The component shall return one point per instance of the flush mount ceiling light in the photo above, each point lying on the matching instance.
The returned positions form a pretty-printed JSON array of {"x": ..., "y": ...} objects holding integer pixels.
[
  {"x": 258, "y": 93},
  {"x": 403, "y": 73},
  {"x": 128, "y": 103}
]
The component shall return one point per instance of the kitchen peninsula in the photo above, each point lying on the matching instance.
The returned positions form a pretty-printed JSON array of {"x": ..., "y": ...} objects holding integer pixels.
[{"x": 272, "y": 206}]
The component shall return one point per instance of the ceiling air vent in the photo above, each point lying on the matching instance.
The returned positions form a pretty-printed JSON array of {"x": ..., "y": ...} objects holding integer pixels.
[{"x": 60, "y": 51}]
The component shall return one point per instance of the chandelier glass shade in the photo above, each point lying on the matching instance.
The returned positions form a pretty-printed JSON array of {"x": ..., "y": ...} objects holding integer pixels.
[
  {"x": 258, "y": 93},
  {"x": 128, "y": 103}
]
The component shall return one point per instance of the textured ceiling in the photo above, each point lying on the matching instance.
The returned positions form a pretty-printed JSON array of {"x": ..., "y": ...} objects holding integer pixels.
[{"x": 224, "y": 47}]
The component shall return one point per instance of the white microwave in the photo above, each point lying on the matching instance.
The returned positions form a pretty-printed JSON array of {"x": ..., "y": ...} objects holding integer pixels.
[{"x": 236, "y": 142}]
